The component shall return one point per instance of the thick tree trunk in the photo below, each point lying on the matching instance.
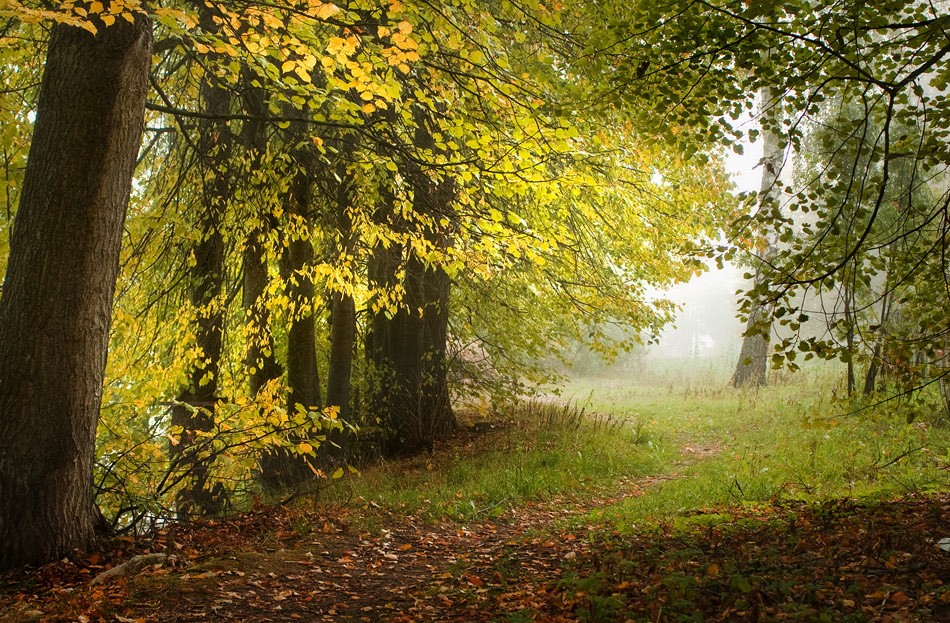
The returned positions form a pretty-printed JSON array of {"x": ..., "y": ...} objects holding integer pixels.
[
  {"x": 752, "y": 367},
  {"x": 196, "y": 415},
  {"x": 302, "y": 372},
  {"x": 342, "y": 306},
  {"x": 55, "y": 309},
  {"x": 409, "y": 350}
]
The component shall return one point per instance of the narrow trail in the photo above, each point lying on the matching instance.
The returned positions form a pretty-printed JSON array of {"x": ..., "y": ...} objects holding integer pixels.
[{"x": 409, "y": 570}]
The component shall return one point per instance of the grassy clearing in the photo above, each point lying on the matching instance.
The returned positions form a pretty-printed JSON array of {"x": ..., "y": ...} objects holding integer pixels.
[
  {"x": 788, "y": 441},
  {"x": 531, "y": 451}
]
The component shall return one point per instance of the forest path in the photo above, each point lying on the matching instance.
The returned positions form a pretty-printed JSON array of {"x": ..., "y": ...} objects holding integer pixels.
[{"x": 405, "y": 570}]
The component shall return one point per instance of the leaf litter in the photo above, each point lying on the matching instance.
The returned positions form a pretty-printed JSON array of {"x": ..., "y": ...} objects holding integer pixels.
[{"x": 837, "y": 561}]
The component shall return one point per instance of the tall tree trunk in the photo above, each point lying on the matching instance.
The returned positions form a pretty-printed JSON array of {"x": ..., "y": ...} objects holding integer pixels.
[
  {"x": 302, "y": 372},
  {"x": 55, "y": 309},
  {"x": 260, "y": 358},
  {"x": 849, "y": 336},
  {"x": 342, "y": 309},
  {"x": 408, "y": 351},
  {"x": 196, "y": 414},
  {"x": 282, "y": 469},
  {"x": 870, "y": 378},
  {"x": 752, "y": 367}
]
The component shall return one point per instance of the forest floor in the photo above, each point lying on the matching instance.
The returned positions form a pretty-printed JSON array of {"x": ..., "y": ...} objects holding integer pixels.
[{"x": 541, "y": 561}]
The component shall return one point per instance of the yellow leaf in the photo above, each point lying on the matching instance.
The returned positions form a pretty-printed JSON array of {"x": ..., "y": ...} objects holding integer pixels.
[
  {"x": 305, "y": 447},
  {"x": 108, "y": 20},
  {"x": 338, "y": 473},
  {"x": 326, "y": 11},
  {"x": 96, "y": 7}
]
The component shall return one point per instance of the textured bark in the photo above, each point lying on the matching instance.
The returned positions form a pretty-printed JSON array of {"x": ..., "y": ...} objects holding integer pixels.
[
  {"x": 302, "y": 373},
  {"x": 215, "y": 145},
  {"x": 342, "y": 340},
  {"x": 752, "y": 367},
  {"x": 55, "y": 310},
  {"x": 342, "y": 306},
  {"x": 280, "y": 469},
  {"x": 260, "y": 358},
  {"x": 408, "y": 351}
]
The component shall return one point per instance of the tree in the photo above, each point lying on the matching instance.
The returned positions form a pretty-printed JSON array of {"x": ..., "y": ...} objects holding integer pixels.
[
  {"x": 57, "y": 296},
  {"x": 752, "y": 367}
]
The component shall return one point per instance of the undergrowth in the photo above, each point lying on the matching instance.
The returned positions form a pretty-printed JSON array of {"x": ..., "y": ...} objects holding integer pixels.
[
  {"x": 715, "y": 447},
  {"x": 530, "y": 451}
]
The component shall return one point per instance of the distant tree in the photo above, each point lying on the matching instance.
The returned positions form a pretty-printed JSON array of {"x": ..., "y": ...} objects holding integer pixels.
[
  {"x": 752, "y": 367},
  {"x": 56, "y": 304}
]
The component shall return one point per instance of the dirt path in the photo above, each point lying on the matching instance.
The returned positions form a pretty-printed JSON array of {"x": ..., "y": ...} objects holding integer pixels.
[
  {"x": 408, "y": 571},
  {"x": 840, "y": 561},
  {"x": 287, "y": 566}
]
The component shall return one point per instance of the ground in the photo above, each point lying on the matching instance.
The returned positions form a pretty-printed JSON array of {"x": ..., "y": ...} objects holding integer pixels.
[{"x": 542, "y": 561}]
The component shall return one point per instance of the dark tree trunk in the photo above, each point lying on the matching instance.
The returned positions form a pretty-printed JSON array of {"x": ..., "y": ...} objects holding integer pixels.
[
  {"x": 849, "y": 337},
  {"x": 281, "y": 469},
  {"x": 342, "y": 306},
  {"x": 196, "y": 415},
  {"x": 874, "y": 368},
  {"x": 302, "y": 372},
  {"x": 408, "y": 351},
  {"x": 260, "y": 358},
  {"x": 342, "y": 340},
  {"x": 55, "y": 310}
]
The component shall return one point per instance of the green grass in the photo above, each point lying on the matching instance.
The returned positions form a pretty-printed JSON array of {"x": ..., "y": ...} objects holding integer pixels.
[
  {"x": 717, "y": 446},
  {"x": 536, "y": 451},
  {"x": 787, "y": 441}
]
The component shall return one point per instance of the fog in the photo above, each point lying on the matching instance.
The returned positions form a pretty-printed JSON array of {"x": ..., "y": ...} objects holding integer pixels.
[{"x": 707, "y": 326}]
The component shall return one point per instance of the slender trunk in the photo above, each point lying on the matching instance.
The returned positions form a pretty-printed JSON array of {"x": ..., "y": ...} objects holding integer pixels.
[
  {"x": 752, "y": 367},
  {"x": 282, "y": 469},
  {"x": 195, "y": 415},
  {"x": 849, "y": 338},
  {"x": 55, "y": 310},
  {"x": 870, "y": 378},
  {"x": 260, "y": 359}
]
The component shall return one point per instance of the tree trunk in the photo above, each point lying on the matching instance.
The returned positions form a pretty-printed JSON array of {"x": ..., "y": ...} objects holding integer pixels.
[
  {"x": 281, "y": 469},
  {"x": 752, "y": 367},
  {"x": 55, "y": 310},
  {"x": 302, "y": 372},
  {"x": 342, "y": 307},
  {"x": 260, "y": 358},
  {"x": 196, "y": 415},
  {"x": 409, "y": 350},
  {"x": 874, "y": 368}
]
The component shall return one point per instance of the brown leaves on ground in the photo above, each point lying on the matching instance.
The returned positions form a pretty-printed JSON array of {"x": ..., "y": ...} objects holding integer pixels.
[{"x": 787, "y": 562}]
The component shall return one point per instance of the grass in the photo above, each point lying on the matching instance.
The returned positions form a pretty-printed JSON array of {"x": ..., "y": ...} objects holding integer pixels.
[
  {"x": 719, "y": 446},
  {"x": 533, "y": 451},
  {"x": 787, "y": 441}
]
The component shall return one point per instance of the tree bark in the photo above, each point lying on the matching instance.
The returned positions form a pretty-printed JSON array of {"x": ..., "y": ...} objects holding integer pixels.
[
  {"x": 281, "y": 469},
  {"x": 55, "y": 310},
  {"x": 408, "y": 351},
  {"x": 260, "y": 358},
  {"x": 752, "y": 367},
  {"x": 196, "y": 415}
]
